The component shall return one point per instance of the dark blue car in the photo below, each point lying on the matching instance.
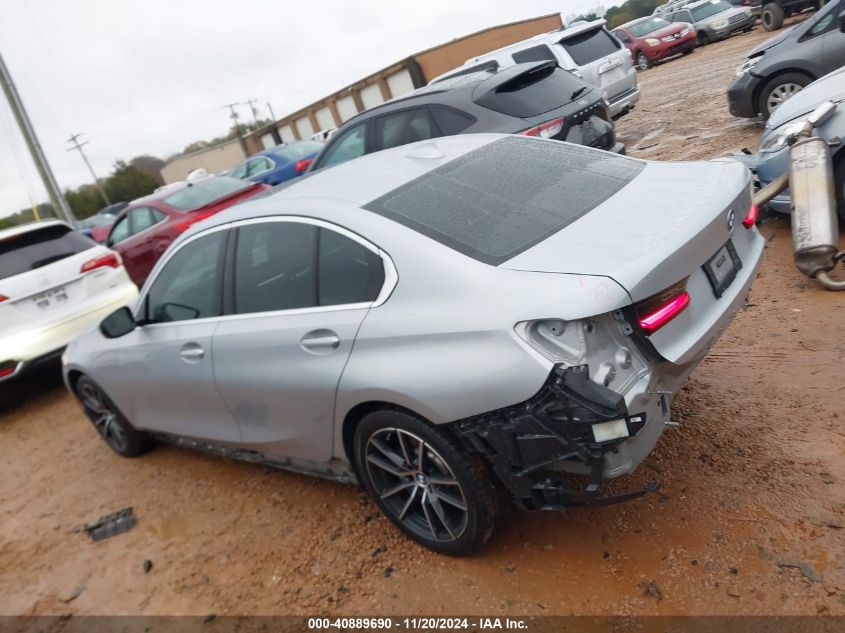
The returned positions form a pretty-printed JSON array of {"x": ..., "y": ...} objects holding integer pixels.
[{"x": 278, "y": 164}]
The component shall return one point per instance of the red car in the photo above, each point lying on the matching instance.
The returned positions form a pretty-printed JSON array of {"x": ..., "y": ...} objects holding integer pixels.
[
  {"x": 144, "y": 229},
  {"x": 652, "y": 39}
]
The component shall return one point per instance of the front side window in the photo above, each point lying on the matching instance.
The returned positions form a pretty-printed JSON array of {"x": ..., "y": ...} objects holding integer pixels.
[
  {"x": 713, "y": 7},
  {"x": 351, "y": 145},
  {"x": 120, "y": 231},
  {"x": 586, "y": 48},
  {"x": 294, "y": 265},
  {"x": 401, "y": 128},
  {"x": 188, "y": 287}
]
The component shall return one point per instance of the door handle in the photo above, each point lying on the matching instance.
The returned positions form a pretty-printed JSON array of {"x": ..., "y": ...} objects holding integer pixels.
[
  {"x": 192, "y": 352},
  {"x": 320, "y": 341}
]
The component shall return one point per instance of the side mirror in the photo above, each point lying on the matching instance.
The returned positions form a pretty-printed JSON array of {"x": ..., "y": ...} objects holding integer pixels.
[
  {"x": 118, "y": 323},
  {"x": 842, "y": 21}
]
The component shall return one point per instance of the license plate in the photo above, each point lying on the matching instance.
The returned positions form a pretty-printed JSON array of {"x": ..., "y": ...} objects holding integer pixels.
[
  {"x": 53, "y": 297},
  {"x": 721, "y": 269}
]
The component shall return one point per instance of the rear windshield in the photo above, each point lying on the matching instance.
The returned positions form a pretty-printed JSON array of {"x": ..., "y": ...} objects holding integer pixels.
[
  {"x": 203, "y": 192},
  {"x": 647, "y": 26},
  {"x": 295, "y": 151},
  {"x": 586, "y": 48},
  {"x": 711, "y": 8},
  {"x": 34, "y": 249},
  {"x": 503, "y": 198},
  {"x": 534, "y": 92}
]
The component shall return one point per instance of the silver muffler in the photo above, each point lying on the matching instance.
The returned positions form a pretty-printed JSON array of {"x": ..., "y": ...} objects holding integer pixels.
[{"x": 815, "y": 225}]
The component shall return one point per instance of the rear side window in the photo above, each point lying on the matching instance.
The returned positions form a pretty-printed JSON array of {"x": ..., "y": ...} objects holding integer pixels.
[
  {"x": 503, "y": 198},
  {"x": 40, "y": 247},
  {"x": 539, "y": 53},
  {"x": 449, "y": 120},
  {"x": 534, "y": 92},
  {"x": 401, "y": 128},
  {"x": 275, "y": 267},
  {"x": 349, "y": 272},
  {"x": 291, "y": 265},
  {"x": 586, "y": 48}
]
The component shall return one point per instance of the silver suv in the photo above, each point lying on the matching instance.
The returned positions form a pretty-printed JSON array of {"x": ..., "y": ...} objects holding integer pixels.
[
  {"x": 586, "y": 49},
  {"x": 713, "y": 19}
]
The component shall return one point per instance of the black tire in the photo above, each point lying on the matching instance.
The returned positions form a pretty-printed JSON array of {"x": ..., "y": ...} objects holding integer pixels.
[
  {"x": 642, "y": 61},
  {"x": 772, "y": 17},
  {"x": 778, "y": 89},
  {"x": 703, "y": 39},
  {"x": 689, "y": 52},
  {"x": 449, "y": 504},
  {"x": 109, "y": 422}
]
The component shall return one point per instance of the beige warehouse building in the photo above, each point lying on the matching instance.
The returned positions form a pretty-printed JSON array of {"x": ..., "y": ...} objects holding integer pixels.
[{"x": 394, "y": 81}]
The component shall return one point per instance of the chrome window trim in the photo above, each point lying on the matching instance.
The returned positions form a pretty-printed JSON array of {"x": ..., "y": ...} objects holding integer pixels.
[{"x": 391, "y": 276}]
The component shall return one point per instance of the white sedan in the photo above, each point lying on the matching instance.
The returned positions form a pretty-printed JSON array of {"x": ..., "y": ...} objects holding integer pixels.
[{"x": 54, "y": 284}]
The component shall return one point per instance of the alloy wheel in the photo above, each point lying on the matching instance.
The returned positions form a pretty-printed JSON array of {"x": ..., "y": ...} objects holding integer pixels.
[
  {"x": 642, "y": 62},
  {"x": 101, "y": 414},
  {"x": 416, "y": 485},
  {"x": 780, "y": 94}
]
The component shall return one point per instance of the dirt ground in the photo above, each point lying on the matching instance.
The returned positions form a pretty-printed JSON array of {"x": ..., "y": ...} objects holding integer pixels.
[{"x": 750, "y": 519}]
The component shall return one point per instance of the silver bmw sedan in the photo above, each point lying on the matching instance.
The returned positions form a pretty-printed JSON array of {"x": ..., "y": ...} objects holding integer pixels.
[{"x": 454, "y": 324}]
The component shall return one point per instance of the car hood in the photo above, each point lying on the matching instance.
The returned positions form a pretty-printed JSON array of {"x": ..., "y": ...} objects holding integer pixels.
[
  {"x": 772, "y": 41},
  {"x": 829, "y": 88},
  {"x": 651, "y": 233}
]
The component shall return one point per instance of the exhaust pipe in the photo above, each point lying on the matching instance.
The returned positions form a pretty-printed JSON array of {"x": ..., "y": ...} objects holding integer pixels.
[{"x": 815, "y": 226}]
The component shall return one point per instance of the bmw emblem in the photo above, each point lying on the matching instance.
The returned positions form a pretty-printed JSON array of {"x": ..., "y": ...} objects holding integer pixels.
[{"x": 731, "y": 219}]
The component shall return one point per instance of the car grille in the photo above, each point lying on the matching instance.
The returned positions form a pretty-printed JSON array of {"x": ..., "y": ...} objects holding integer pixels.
[
  {"x": 675, "y": 36},
  {"x": 739, "y": 17}
]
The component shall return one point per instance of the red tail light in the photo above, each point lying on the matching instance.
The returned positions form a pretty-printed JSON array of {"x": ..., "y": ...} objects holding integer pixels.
[
  {"x": 657, "y": 311},
  {"x": 3, "y": 298},
  {"x": 7, "y": 371},
  {"x": 545, "y": 130},
  {"x": 302, "y": 165},
  {"x": 751, "y": 217},
  {"x": 112, "y": 260}
]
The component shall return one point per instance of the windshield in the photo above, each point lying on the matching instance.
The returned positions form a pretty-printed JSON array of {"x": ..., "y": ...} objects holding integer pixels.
[
  {"x": 647, "y": 26},
  {"x": 40, "y": 247},
  {"x": 199, "y": 194},
  {"x": 295, "y": 151},
  {"x": 713, "y": 7}
]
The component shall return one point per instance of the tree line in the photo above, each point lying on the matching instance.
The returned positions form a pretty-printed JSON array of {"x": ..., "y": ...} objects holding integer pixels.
[{"x": 627, "y": 11}]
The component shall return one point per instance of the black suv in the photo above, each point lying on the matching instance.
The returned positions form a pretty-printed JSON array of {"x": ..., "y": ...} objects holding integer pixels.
[
  {"x": 534, "y": 99},
  {"x": 773, "y": 12}
]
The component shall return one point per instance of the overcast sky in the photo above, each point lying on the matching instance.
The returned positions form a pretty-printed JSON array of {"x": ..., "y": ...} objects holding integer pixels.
[{"x": 150, "y": 76}]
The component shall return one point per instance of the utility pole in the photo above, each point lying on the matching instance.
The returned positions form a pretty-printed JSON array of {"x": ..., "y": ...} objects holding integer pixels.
[
  {"x": 60, "y": 205},
  {"x": 234, "y": 115},
  {"x": 272, "y": 116},
  {"x": 251, "y": 103},
  {"x": 78, "y": 146}
]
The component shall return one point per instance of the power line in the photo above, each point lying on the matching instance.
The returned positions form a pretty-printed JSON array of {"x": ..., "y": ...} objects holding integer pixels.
[
  {"x": 251, "y": 103},
  {"x": 74, "y": 138}
]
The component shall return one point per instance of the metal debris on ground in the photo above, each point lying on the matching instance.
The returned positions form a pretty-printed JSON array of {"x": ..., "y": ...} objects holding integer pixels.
[
  {"x": 111, "y": 524},
  {"x": 805, "y": 568}
]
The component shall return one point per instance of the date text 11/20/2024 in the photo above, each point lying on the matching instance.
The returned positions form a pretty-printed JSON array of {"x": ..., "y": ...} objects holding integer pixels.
[{"x": 416, "y": 624}]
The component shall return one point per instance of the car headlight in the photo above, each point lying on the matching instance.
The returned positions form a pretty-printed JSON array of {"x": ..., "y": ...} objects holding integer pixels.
[
  {"x": 652, "y": 41},
  {"x": 776, "y": 139},
  {"x": 747, "y": 65},
  {"x": 721, "y": 24}
]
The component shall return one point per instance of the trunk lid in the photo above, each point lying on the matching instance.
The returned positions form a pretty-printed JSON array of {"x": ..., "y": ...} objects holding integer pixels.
[{"x": 662, "y": 228}]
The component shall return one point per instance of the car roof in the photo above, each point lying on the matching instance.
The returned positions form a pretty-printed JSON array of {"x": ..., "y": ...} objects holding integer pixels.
[
  {"x": 30, "y": 226},
  {"x": 637, "y": 21},
  {"x": 466, "y": 83},
  {"x": 353, "y": 183}
]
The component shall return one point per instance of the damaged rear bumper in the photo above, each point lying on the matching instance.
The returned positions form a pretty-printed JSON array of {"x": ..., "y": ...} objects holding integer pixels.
[{"x": 571, "y": 419}]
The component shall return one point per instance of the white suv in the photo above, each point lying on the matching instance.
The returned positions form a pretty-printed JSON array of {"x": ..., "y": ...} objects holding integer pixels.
[
  {"x": 54, "y": 284},
  {"x": 586, "y": 49}
]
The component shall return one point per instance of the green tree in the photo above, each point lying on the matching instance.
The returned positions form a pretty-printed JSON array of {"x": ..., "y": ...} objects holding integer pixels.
[{"x": 127, "y": 182}]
